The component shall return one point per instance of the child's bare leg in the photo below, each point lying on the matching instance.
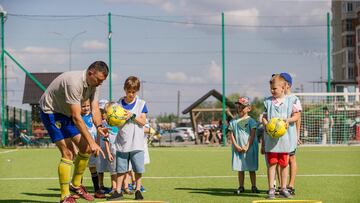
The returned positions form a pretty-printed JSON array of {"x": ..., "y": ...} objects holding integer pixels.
[
  {"x": 293, "y": 170},
  {"x": 284, "y": 174},
  {"x": 253, "y": 178},
  {"x": 126, "y": 181},
  {"x": 113, "y": 181},
  {"x": 241, "y": 177},
  {"x": 271, "y": 175},
  {"x": 278, "y": 175},
  {"x": 119, "y": 181},
  {"x": 132, "y": 175},
  {"x": 138, "y": 180}
]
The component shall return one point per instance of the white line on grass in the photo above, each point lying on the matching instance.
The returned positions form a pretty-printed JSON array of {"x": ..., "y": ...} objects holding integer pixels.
[
  {"x": 8, "y": 151},
  {"x": 187, "y": 177}
]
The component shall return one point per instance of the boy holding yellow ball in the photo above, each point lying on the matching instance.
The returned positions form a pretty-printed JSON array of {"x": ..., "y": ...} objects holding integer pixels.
[{"x": 277, "y": 149}]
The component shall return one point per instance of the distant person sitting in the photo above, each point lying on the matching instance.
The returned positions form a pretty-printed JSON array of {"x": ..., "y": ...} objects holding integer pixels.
[
  {"x": 200, "y": 132},
  {"x": 206, "y": 136}
]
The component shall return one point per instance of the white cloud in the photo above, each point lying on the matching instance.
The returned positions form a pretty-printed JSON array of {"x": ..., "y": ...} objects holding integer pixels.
[
  {"x": 165, "y": 5},
  {"x": 94, "y": 45},
  {"x": 182, "y": 77},
  {"x": 215, "y": 72},
  {"x": 176, "y": 76},
  {"x": 243, "y": 17},
  {"x": 211, "y": 75},
  {"x": 36, "y": 58},
  {"x": 237, "y": 17}
]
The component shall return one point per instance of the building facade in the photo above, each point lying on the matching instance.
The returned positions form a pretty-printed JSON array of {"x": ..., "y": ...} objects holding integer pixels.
[{"x": 346, "y": 46}]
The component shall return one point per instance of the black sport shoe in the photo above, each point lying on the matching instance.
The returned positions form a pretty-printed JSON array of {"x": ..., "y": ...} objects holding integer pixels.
[
  {"x": 138, "y": 195},
  {"x": 115, "y": 196},
  {"x": 291, "y": 190},
  {"x": 239, "y": 190},
  {"x": 254, "y": 189},
  {"x": 285, "y": 193},
  {"x": 277, "y": 191}
]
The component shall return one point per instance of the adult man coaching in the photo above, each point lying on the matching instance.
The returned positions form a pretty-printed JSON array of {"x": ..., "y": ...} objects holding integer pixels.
[{"x": 60, "y": 112}]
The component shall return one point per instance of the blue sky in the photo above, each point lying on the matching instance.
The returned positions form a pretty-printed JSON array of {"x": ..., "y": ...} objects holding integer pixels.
[{"x": 170, "y": 45}]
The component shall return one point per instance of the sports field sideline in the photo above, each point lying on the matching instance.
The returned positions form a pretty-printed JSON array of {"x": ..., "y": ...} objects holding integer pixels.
[{"x": 189, "y": 174}]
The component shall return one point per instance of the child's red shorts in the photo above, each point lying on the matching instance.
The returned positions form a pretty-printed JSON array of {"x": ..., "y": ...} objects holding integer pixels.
[{"x": 278, "y": 158}]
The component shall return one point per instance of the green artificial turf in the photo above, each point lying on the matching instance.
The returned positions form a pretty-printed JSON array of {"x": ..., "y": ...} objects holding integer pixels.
[{"x": 189, "y": 174}]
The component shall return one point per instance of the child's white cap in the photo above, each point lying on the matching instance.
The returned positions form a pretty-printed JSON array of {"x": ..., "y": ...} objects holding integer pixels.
[{"x": 102, "y": 103}]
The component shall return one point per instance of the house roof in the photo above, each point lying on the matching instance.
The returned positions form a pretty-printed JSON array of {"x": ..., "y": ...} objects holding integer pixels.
[
  {"x": 212, "y": 92},
  {"x": 32, "y": 92}
]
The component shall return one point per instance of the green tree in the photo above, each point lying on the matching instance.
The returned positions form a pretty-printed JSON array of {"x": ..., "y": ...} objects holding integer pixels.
[
  {"x": 166, "y": 118},
  {"x": 257, "y": 104}
]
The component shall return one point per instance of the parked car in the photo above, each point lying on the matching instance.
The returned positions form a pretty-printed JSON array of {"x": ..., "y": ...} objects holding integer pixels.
[
  {"x": 189, "y": 131},
  {"x": 173, "y": 135}
]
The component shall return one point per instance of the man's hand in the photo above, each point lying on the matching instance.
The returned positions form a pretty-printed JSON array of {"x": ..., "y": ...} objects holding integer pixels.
[{"x": 95, "y": 149}]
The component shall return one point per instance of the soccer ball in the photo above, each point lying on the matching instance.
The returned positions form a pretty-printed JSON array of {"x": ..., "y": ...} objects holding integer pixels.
[
  {"x": 276, "y": 127},
  {"x": 116, "y": 115}
]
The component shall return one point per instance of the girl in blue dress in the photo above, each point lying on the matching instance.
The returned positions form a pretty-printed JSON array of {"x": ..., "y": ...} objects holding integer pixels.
[{"x": 245, "y": 150}]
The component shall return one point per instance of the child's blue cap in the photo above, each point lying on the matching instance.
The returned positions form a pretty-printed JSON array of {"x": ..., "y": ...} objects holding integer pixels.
[{"x": 287, "y": 78}]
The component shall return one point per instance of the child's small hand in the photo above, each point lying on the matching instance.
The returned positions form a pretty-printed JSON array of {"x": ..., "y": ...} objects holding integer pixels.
[
  {"x": 286, "y": 123},
  {"x": 299, "y": 142},
  {"x": 238, "y": 148},
  {"x": 245, "y": 148},
  {"x": 128, "y": 114},
  {"x": 110, "y": 157},
  {"x": 103, "y": 131}
]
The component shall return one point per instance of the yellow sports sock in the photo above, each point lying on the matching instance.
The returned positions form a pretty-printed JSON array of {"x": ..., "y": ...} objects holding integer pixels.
[
  {"x": 80, "y": 164},
  {"x": 64, "y": 171}
]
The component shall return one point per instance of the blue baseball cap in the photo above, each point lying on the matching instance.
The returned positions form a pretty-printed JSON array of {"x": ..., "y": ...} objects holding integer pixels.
[{"x": 287, "y": 78}]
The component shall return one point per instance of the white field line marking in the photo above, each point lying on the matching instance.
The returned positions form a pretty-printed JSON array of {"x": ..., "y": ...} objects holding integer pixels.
[
  {"x": 189, "y": 177},
  {"x": 229, "y": 150},
  {"x": 8, "y": 151}
]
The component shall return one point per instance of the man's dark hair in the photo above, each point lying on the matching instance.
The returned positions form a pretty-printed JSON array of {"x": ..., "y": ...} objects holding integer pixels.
[{"x": 99, "y": 66}]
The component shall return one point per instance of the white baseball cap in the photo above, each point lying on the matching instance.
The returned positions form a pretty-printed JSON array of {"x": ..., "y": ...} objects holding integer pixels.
[{"x": 102, "y": 103}]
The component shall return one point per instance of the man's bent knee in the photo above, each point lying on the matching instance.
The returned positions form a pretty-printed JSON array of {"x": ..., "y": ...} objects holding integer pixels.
[{"x": 67, "y": 154}]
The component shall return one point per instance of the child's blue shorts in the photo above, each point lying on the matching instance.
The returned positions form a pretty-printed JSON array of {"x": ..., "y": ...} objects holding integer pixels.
[
  {"x": 136, "y": 158},
  {"x": 59, "y": 126}
]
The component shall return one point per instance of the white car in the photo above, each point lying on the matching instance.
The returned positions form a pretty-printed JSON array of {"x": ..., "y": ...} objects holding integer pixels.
[
  {"x": 174, "y": 135},
  {"x": 189, "y": 131}
]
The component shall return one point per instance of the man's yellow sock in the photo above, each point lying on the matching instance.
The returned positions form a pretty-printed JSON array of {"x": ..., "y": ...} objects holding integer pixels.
[
  {"x": 80, "y": 164},
  {"x": 64, "y": 171}
]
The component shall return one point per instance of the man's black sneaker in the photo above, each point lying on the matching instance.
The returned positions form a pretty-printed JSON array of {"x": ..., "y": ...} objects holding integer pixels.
[
  {"x": 138, "y": 195},
  {"x": 115, "y": 196}
]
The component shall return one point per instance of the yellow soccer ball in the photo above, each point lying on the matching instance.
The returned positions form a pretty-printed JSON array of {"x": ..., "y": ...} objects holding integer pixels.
[
  {"x": 276, "y": 127},
  {"x": 116, "y": 115}
]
